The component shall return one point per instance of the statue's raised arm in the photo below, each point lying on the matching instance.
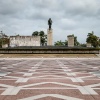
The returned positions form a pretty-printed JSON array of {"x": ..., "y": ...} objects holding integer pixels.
[{"x": 49, "y": 23}]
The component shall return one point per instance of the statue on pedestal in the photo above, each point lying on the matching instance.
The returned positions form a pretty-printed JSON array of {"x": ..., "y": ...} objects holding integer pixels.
[{"x": 49, "y": 23}]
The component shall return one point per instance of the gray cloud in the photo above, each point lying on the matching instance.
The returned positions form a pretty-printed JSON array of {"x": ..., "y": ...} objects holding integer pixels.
[{"x": 69, "y": 17}]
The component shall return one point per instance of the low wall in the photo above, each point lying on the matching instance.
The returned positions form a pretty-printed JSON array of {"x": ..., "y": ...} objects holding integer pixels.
[{"x": 49, "y": 50}]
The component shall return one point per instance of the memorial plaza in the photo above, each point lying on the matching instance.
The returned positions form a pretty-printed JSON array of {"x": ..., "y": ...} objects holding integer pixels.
[
  {"x": 49, "y": 49},
  {"x": 53, "y": 78}
]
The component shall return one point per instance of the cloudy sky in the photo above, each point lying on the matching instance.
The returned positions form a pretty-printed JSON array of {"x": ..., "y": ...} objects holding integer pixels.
[{"x": 78, "y": 17}]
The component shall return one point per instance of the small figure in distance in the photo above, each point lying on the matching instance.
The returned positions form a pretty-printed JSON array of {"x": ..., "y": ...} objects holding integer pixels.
[{"x": 49, "y": 23}]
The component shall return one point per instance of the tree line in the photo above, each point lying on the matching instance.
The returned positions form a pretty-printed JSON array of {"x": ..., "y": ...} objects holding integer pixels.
[{"x": 91, "y": 38}]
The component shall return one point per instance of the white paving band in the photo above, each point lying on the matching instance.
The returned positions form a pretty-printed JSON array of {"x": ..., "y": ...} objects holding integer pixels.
[{"x": 51, "y": 95}]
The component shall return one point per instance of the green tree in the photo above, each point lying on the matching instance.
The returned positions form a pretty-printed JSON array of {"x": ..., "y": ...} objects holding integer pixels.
[
  {"x": 17, "y": 35},
  {"x": 76, "y": 43},
  {"x": 83, "y": 45},
  {"x": 93, "y": 39},
  {"x": 42, "y": 35},
  {"x": 36, "y": 33},
  {"x": 59, "y": 43},
  {"x": 4, "y": 41},
  {"x": 66, "y": 43},
  {"x": 99, "y": 42},
  {"x": 0, "y": 42}
]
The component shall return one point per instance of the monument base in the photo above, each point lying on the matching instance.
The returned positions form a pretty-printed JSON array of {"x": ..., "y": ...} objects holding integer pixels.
[{"x": 49, "y": 37}]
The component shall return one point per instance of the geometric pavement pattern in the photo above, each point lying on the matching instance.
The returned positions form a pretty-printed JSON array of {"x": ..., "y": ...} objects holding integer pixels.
[{"x": 50, "y": 79}]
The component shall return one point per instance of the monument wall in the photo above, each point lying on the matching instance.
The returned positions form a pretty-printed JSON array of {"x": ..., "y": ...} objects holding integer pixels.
[
  {"x": 70, "y": 41},
  {"x": 49, "y": 50},
  {"x": 24, "y": 41}
]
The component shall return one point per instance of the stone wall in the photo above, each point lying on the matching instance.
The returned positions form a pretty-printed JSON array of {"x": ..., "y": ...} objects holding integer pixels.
[
  {"x": 24, "y": 41},
  {"x": 49, "y": 50}
]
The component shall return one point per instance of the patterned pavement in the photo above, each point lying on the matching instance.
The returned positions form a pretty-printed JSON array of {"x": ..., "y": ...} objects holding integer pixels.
[{"x": 50, "y": 79}]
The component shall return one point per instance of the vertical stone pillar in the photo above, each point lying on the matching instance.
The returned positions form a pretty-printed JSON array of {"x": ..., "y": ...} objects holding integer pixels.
[
  {"x": 49, "y": 37},
  {"x": 70, "y": 41}
]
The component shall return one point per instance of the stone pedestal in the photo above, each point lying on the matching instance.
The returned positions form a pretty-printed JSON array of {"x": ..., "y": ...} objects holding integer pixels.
[
  {"x": 70, "y": 41},
  {"x": 49, "y": 37}
]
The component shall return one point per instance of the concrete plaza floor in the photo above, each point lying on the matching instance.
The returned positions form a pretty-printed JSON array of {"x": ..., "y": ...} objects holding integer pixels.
[{"x": 49, "y": 78}]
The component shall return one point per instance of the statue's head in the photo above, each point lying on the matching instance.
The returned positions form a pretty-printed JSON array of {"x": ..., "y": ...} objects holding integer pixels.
[{"x": 49, "y": 18}]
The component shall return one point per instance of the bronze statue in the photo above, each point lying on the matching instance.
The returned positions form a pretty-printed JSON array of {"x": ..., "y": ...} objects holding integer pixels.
[{"x": 49, "y": 23}]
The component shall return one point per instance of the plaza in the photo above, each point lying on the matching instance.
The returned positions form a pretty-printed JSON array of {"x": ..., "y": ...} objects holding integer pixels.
[{"x": 49, "y": 78}]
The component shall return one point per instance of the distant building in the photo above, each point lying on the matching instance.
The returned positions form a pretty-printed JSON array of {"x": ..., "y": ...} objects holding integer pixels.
[{"x": 24, "y": 41}]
